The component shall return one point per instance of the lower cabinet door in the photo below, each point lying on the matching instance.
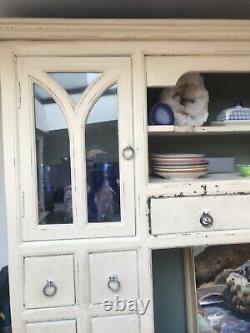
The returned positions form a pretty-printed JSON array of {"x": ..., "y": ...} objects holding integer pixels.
[
  {"x": 116, "y": 324},
  {"x": 67, "y": 326}
]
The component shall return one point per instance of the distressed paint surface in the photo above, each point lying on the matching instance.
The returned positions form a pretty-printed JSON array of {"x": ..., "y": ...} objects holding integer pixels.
[{"x": 99, "y": 39}]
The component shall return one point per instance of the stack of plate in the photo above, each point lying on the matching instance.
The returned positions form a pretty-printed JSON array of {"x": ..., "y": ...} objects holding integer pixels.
[{"x": 185, "y": 166}]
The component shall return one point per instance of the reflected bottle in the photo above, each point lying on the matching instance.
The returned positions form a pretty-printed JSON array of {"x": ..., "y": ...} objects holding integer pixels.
[{"x": 104, "y": 194}]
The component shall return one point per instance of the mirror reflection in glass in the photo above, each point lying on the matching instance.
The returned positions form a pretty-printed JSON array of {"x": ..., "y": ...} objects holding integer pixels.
[
  {"x": 74, "y": 83},
  {"x": 102, "y": 159},
  {"x": 53, "y": 161}
]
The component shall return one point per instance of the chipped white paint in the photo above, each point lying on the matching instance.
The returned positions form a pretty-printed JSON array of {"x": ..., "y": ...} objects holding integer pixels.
[
  {"x": 211, "y": 184},
  {"x": 165, "y": 130},
  {"x": 117, "y": 48},
  {"x": 184, "y": 214}
]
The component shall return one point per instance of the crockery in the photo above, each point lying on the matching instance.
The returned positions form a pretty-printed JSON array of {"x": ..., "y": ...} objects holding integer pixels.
[
  {"x": 205, "y": 169},
  {"x": 233, "y": 116},
  {"x": 174, "y": 156},
  {"x": 182, "y": 175},
  {"x": 161, "y": 114},
  {"x": 180, "y": 165},
  {"x": 182, "y": 169},
  {"x": 244, "y": 170}
]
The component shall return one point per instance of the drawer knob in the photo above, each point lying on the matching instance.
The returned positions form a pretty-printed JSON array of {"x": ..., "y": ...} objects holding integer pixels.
[
  {"x": 206, "y": 220},
  {"x": 50, "y": 289},
  {"x": 128, "y": 153},
  {"x": 114, "y": 283}
]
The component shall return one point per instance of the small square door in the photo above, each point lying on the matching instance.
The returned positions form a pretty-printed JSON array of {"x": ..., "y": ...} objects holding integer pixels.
[
  {"x": 67, "y": 326},
  {"x": 49, "y": 281},
  {"x": 113, "y": 274},
  {"x": 115, "y": 324}
]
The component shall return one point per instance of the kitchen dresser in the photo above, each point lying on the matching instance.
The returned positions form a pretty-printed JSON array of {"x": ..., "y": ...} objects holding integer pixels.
[{"x": 84, "y": 212}]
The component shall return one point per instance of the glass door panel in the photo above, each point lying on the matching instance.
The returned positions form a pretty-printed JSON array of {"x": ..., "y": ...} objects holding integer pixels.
[
  {"x": 53, "y": 161},
  {"x": 102, "y": 159},
  {"x": 74, "y": 83}
]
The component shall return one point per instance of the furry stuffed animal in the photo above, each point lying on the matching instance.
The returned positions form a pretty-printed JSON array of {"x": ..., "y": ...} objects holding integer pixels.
[{"x": 188, "y": 100}]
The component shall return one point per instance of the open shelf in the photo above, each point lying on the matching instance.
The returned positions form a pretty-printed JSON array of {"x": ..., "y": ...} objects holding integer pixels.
[
  {"x": 212, "y": 140},
  {"x": 162, "y": 130},
  {"x": 189, "y": 276}
]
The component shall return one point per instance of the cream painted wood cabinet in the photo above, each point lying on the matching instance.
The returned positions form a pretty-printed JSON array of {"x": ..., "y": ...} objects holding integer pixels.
[{"x": 84, "y": 211}]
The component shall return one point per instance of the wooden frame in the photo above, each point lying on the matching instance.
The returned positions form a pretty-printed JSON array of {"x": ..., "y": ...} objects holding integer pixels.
[
  {"x": 33, "y": 70},
  {"x": 191, "y": 300},
  {"x": 110, "y": 38},
  {"x": 123, "y": 29}
]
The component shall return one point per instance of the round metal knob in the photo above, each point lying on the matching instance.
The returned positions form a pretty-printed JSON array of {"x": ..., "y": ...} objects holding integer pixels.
[
  {"x": 206, "y": 220},
  {"x": 50, "y": 289},
  {"x": 114, "y": 283},
  {"x": 128, "y": 153}
]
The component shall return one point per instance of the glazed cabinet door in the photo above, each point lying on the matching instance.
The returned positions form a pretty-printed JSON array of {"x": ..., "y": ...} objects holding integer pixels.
[{"x": 75, "y": 147}]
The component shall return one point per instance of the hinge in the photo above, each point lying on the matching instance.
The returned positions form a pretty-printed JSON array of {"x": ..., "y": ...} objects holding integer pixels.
[
  {"x": 22, "y": 205},
  {"x": 19, "y": 98}
]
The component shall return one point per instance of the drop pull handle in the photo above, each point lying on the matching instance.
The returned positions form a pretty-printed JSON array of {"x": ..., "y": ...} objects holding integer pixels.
[
  {"x": 50, "y": 289},
  {"x": 206, "y": 220},
  {"x": 114, "y": 283},
  {"x": 128, "y": 153}
]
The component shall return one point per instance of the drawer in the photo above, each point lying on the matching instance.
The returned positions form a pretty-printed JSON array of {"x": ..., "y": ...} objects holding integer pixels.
[
  {"x": 115, "y": 324},
  {"x": 113, "y": 274},
  {"x": 67, "y": 326},
  {"x": 49, "y": 281},
  {"x": 196, "y": 214}
]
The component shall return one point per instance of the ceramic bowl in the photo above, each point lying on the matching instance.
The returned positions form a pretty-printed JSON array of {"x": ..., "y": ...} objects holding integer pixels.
[
  {"x": 238, "y": 112},
  {"x": 245, "y": 170},
  {"x": 180, "y": 175},
  {"x": 161, "y": 114}
]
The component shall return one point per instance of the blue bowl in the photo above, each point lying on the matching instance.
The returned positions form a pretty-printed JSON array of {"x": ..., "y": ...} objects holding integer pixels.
[{"x": 161, "y": 114}]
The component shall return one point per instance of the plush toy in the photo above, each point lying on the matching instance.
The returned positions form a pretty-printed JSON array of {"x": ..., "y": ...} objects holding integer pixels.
[{"x": 188, "y": 100}]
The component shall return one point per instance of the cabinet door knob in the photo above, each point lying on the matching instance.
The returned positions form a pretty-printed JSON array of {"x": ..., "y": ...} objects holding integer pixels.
[
  {"x": 128, "y": 153},
  {"x": 114, "y": 283},
  {"x": 206, "y": 220},
  {"x": 50, "y": 289}
]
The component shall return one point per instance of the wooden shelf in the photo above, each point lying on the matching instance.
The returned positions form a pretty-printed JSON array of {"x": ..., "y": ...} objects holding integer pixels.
[
  {"x": 220, "y": 183},
  {"x": 162, "y": 130}
]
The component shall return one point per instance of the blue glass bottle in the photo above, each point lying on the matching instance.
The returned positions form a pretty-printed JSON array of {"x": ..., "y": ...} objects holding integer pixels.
[{"x": 103, "y": 197}]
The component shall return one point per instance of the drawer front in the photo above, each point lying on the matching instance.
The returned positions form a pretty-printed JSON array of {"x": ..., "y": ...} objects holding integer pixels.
[
  {"x": 193, "y": 214},
  {"x": 67, "y": 326},
  {"x": 49, "y": 281},
  {"x": 113, "y": 274},
  {"x": 115, "y": 324}
]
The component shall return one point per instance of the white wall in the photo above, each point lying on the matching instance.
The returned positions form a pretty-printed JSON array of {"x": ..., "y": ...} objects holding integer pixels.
[{"x": 3, "y": 225}]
